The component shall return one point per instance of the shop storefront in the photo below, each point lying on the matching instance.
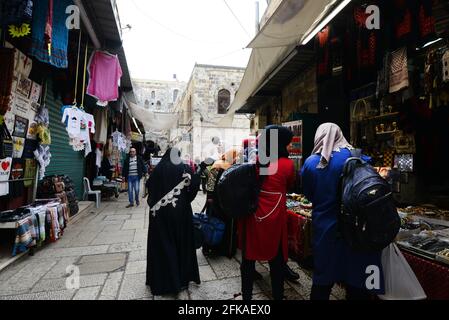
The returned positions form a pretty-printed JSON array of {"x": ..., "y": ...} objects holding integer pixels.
[
  {"x": 388, "y": 89},
  {"x": 54, "y": 118}
]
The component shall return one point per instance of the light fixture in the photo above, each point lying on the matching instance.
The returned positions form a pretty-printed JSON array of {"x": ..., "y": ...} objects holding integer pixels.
[
  {"x": 325, "y": 22},
  {"x": 432, "y": 42}
]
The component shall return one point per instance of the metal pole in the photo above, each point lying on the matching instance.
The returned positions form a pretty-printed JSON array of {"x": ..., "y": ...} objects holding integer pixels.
[{"x": 257, "y": 18}]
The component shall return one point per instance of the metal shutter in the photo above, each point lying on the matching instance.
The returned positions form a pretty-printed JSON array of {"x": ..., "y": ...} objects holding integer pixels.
[{"x": 64, "y": 160}]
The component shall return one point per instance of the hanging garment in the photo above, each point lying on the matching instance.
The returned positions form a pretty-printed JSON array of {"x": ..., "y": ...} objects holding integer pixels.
[
  {"x": 25, "y": 235},
  {"x": 105, "y": 73},
  {"x": 5, "y": 170},
  {"x": 324, "y": 62},
  {"x": 29, "y": 148},
  {"x": 99, "y": 157},
  {"x": 399, "y": 70},
  {"x": 42, "y": 116},
  {"x": 43, "y": 156},
  {"x": 43, "y": 133},
  {"x": 59, "y": 32},
  {"x": 426, "y": 22},
  {"x": 87, "y": 126},
  {"x": 23, "y": 65},
  {"x": 73, "y": 116},
  {"x": 15, "y": 12},
  {"x": 18, "y": 145},
  {"x": 16, "y": 188},
  {"x": 30, "y": 172},
  {"x": 101, "y": 121},
  {"x": 383, "y": 77},
  {"x": 445, "y": 62},
  {"x": 404, "y": 26},
  {"x": 40, "y": 215},
  {"x": 6, "y": 79}
]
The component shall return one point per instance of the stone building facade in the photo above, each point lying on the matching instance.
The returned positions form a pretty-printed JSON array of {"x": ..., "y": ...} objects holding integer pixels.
[
  {"x": 205, "y": 102},
  {"x": 157, "y": 95}
]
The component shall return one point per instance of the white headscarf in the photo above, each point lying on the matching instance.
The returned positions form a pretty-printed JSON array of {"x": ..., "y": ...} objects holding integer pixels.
[{"x": 329, "y": 138}]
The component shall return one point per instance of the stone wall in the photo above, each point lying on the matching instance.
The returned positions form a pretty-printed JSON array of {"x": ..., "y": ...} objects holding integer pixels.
[
  {"x": 202, "y": 119},
  {"x": 164, "y": 93}
]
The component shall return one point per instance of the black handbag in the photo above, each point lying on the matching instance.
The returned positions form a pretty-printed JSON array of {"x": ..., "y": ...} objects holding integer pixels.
[{"x": 6, "y": 143}]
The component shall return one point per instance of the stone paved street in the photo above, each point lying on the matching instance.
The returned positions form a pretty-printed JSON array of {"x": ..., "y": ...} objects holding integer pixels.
[{"x": 108, "y": 246}]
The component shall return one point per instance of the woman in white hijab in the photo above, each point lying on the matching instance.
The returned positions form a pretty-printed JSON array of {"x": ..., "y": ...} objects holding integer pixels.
[{"x": 334, "y": 261}]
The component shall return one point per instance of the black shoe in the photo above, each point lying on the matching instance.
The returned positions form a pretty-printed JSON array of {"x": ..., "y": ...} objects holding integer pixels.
[
  {"x": 137, "y": 203},
  {"x": 129, "y": 206},
  {"x": 257, "y": 276},
  {"x": 290, "y": 275}
]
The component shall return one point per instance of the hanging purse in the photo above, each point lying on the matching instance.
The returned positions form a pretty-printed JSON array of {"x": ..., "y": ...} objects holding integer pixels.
[{"x": 6, "y": 143}]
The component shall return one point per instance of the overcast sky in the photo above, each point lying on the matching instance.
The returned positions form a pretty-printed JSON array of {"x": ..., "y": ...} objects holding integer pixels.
[{"x": 169, "y": 36}]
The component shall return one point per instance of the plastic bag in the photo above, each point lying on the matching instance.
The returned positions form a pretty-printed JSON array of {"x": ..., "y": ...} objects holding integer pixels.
[{"x": 400, "y": 280}]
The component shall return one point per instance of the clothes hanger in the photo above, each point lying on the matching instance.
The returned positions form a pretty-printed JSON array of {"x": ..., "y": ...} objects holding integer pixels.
[
  {"x": 84, "y": 75},
  {"x": 77, "y": 71}
]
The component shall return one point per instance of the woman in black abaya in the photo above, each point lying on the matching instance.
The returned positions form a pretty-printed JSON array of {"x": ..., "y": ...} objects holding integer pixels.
[{"x": 171, "y": 257}]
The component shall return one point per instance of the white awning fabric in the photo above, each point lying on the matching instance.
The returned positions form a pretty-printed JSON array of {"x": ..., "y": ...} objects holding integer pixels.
[
  {"x": 290, "y": 21},
  {"x": 153, "y": 121}
]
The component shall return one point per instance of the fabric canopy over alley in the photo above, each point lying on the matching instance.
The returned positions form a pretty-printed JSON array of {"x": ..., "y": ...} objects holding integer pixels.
[{"x": 289, "y": 23}]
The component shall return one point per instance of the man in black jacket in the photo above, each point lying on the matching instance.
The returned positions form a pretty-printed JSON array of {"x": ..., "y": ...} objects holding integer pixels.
[{"x": 133, "y": 171}]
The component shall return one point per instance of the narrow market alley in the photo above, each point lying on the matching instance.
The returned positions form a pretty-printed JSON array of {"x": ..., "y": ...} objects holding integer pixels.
[{"x": 108, "y": 246}]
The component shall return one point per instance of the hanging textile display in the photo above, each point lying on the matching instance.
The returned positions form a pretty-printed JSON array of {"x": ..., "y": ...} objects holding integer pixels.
[
  {"x": 79, "y": 124},
  {"x": 119, "y": 141},
  {"x": 324, "y": 60},
  {"x": 105, "y": 73},
  {"x": 15, "y": 11},
  {"x": 6, "y": 79},
  {"x": 445, "y": 63},
  {"x": 43, "y": 157},
  {"x": 18, "y": 145},
  {"x": 5, "y": 170},
  {"x": 16, "y": 188},
  {"x": 50, "y": 35},
  {"x": 30, "y": 172},
  {"x": 399, "y": 70},
  {"x": 426, "y": 22}
]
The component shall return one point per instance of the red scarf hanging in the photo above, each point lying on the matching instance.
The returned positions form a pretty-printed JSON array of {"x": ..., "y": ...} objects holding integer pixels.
[{"x": 49, "y": 26}]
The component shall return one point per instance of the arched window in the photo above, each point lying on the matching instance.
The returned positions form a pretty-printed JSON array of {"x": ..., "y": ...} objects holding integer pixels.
[
  {"x": 224, "y": 101},
  {"x": 175, "y": 95},
  {"x": 153, "y": 95}
]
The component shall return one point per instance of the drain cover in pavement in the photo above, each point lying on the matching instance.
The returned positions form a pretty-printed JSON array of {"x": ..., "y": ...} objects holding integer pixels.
[{"x": 102, "y": 263}]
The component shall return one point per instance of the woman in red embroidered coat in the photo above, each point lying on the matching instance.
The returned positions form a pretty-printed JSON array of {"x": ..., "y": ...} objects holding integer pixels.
[{"x": 263, "y": 235}]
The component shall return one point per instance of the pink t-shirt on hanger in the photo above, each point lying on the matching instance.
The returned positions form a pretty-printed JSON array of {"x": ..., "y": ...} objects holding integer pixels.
[{"x": 105, "y": 73}]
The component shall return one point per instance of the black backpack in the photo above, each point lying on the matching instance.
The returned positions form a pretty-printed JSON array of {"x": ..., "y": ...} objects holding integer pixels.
[
  {"x": 238, "y": 190},
  {"x": 369, "y": 220}
]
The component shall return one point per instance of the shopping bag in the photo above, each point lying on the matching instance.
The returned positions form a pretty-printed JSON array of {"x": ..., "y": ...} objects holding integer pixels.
[
  {"x": 212, "y": 228},
  {"x": 400, "y": 280}
]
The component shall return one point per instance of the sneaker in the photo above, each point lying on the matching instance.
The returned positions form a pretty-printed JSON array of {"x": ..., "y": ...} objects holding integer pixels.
[
  {"x": 129, "y": 206},
  {"x": 137, "y": 203}
]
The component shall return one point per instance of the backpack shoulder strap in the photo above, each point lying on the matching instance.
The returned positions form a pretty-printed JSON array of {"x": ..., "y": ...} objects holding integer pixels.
[{"x": 356, "y": 157}]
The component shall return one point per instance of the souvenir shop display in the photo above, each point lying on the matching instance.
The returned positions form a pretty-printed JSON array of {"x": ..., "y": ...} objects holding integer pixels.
[
  {"x": 299, "y": 224},
  {"x": 60, "y": 187},
  {"x": 42, "y": 222},
  {"x": 79, "y": 125},
  {"x": 50, "y": 36},
  {"x": 104, "y": 77},
  {"x": 119, "y": 141}
]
